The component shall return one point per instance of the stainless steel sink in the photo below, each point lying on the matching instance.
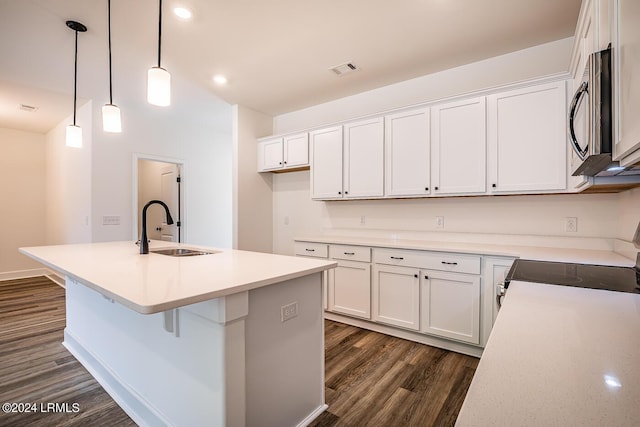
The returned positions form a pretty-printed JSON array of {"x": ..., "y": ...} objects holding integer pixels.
[{"x": 182, "y": 252}]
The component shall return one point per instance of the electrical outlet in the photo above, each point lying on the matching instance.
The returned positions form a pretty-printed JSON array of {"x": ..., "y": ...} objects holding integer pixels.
[
  {"x": 289, "y": 311},
  {"x": 363, "y": 220},
  {"x": 439, "y": 222},
  {"x": 571, "y": 224}
]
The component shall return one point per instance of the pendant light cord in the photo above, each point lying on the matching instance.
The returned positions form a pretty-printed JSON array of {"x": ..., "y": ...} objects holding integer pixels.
[
  {"x": 75, "y": 80},
  {"x": 159, "y": 31},
  {"x": 110, "y": 80}
]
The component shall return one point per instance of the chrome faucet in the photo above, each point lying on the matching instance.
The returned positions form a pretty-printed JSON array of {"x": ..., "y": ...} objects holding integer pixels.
[{"x": 144, "y": 242}]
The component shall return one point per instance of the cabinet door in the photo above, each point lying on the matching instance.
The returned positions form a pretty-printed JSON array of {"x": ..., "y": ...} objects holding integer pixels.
[
  {"x": 296, "y": 150},
  {"x": 459, "y": 145},
  {"x": 350, "y": 289},
  {"x": 396, "y": 296},
  {"x": 363, "y": 158},
  {"x": 326, "y": 163},
  {"x": 495, "y": 270},
  {"x": 270, "y": 155},
  {"x": 527, "y": 139},
  {"x": 626, "y": 67},
  {"x": 451, "y": 305},
  {"x": 407, "y": 153}
]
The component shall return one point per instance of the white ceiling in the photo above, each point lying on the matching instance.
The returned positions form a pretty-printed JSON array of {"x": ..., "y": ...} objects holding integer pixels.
[{"x": 275, "y": 53}]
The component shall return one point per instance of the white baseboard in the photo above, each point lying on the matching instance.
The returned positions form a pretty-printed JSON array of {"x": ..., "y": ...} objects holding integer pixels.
[
  {"x": 23, "y": 274},
  {"x": 131, "y": 402},
  {"x": 312, "y": 416}
]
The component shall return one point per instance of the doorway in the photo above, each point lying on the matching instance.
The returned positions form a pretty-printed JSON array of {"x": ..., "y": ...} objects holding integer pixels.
[{"x": 159, "y": 180}]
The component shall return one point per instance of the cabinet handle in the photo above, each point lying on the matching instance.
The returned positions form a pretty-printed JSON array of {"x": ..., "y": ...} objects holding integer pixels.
[
  {"x": 415, "y": 275},
  {"x": 349, "y": 253},
  {"x": 310, "y": 250},
  {"x": 396, "y": 257},
  {"x": 449, "y": 263}
]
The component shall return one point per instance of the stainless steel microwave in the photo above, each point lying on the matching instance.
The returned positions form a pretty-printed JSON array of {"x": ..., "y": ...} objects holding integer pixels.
[{"x": 590, "y": 116}]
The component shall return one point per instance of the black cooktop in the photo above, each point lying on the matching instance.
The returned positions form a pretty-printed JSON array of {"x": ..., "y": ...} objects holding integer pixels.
[{"x": 620, "y": 279}]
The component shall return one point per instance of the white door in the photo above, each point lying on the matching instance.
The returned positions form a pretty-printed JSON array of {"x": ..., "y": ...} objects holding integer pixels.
[
  {"x": 350, "y": 289},
  {"x": 407, "y": 153},
  {"x": 396, "y": 296},
  {"x": 296, "y": 150},
  {"x": 527, "y": 139},
  {"x": 458, "y": 147},
  {"x": 326, "y": 163},
  {"x": 364, "y": 159},
  {"x": 169, "y": 195},
  {"x": 451, "y": 305}
]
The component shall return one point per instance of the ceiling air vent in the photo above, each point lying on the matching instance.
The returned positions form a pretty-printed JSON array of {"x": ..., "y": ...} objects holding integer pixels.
[
  {"x": 28, "y": 108},
  {"x": 345, "y": 68}
]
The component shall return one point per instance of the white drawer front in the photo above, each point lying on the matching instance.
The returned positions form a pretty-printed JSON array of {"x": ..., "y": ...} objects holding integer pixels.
[
  {"x": 318, "y": 250},
  {"x": 352, "y": 253},
  {"x": 443, "y": 261}
]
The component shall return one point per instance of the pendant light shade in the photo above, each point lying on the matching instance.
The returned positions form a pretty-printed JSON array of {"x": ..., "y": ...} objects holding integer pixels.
[
  {"x": 74, "y": 132},
  {"x": 159, "y": 87},
  {"x": 159, "y": 79},
  {"x": 74, "y": 136},
  {"x": 111, "y": 120}
]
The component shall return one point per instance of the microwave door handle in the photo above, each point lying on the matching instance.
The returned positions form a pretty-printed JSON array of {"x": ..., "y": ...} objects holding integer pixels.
[{"x": 582, "y": 91}]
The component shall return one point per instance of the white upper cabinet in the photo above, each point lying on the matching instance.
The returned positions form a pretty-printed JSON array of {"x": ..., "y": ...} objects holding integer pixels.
[
  {"x": 626, "y": 66},
  {"x": 527, "y": 139},
  {"x": 407, "y": 153},
  {"x": 458, "y": 147},
  {"x": 289, "y": 152},
  {"x": 270, "y": 155},
  {"x": 363, "y": 159},
  {"x": 326, "y": 163}
]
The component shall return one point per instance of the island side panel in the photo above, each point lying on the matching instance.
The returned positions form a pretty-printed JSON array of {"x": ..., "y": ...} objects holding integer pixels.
[
  {"x": 158, "y": 378},
  {"x": 285, "y": 360}
]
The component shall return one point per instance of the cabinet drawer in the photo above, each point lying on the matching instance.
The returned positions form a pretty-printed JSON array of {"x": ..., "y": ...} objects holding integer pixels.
[
  {"x": 318, "y": 250},
  {"x": 429, "y": 260},
  {"x": 352, "y": 253}
]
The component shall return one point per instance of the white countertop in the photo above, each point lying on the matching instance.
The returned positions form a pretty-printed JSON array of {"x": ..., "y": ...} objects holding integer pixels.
[
  {"x": 559, "y": 356},
  {"x": 153, "y": 283},
  {"x": 537, "y": 253}
]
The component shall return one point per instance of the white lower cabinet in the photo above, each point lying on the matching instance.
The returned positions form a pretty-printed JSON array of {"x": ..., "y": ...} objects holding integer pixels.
[
  {"x": 451, "y": 305},
  {"x": 350, "y": 289},
  {"x": 396, "y": 296}
]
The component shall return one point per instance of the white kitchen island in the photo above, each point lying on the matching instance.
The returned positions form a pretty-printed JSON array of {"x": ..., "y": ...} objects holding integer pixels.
[
  {"x": 559, "y": 356},
  {"x": 232, "y": 338}
]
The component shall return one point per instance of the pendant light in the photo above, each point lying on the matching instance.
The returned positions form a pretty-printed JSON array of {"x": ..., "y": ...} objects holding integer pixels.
[
  {"x": 159, "y": 79},
  {"x": 74, "y": 132},
  {"x": 111, "y": 121}
]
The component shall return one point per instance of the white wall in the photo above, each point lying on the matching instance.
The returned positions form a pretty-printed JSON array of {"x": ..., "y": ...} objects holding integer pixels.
[
  {"x": 68, "y": 183},
  {"x": 22, "y": 196},
  {"x": 531, "y": 216},
  {"x": 252, "y": 192},
  {"x": 196, "y": 131}
]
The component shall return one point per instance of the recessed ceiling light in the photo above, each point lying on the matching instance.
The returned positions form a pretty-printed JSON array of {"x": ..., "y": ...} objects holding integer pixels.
[
  {"x": 220, "y": 79},
  {"x": 182, "y": 13}
]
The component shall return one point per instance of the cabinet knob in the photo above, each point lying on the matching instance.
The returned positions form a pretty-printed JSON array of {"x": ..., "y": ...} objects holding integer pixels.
[
  {"x": 494, "y": 185},
  {"x": 285, "y": 163},
  {"x": 436, "y": 188},
  {"x": 415, "y": 275},
  {"x": 426, "y": 188},
  {"x": 280, "y": 163},
  {"x": 426, "y": 277},
  {"x": 346, "y": 192},
  {"x": 339, "y": 192}
]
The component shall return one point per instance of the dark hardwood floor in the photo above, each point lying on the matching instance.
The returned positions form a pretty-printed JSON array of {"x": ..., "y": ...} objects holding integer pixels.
[
  {"x": 35, "y": 367},
  {"x": 371, "y": 379},
  {"x": 377, "y": 380}
]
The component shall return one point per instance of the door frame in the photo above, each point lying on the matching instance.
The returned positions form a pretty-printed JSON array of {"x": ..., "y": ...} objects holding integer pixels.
[{"x": 182, "y": 167}]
